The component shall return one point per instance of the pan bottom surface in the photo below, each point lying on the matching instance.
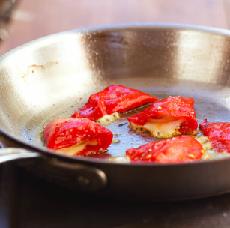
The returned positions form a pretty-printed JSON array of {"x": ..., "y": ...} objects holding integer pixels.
[{"x": 211, "y": 102}]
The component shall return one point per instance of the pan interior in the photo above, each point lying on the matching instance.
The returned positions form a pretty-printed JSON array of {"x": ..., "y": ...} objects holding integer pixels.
[
  {"x": 207, "y": 106},
  {"x": 52, "y": 77}
]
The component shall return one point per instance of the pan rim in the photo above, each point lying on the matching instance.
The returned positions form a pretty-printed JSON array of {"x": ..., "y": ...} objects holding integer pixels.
[
  {"x": 121, "y": 26},
  {"x": 102, "y": 28}
]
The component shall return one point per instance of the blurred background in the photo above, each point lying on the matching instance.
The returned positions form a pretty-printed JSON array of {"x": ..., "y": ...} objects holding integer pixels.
[{"x": 32, "y": 19}]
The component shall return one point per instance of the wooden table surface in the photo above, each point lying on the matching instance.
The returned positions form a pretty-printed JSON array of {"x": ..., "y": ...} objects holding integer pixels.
[{"x": 34, "y": 19}]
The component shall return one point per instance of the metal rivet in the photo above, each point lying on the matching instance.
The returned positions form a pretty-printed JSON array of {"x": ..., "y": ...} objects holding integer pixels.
[{"x": 83, "y": 180}]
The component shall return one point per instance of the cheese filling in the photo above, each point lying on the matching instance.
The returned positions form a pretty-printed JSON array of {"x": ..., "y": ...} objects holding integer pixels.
[
  {"x": 108, "y": 119},
  {"x": 75, "y": 149},
  {"x": 208, "y": 152},
  {"x": 159, "y": 130}
]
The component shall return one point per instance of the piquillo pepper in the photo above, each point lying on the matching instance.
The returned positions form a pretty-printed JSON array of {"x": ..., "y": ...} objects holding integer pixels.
[
  {"x": 77, "y": 136},
  {"x": 218, "y": 133},
  {"x": 114, "y": 98},
  {"x": 166, "y": 118},
  {"x": 174, "y": 150}
]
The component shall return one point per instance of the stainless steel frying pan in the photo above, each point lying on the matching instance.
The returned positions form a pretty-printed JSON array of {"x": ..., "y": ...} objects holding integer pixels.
[{"x": 53, "y": 76}]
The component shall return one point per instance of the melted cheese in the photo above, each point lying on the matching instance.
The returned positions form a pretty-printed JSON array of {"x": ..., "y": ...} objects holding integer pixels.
[
  {"x": 208, "y": 152},
  {"x": 75, "y": 149},
  {"x": 204, "y": 141},
  {"x": 159, "y": 130},
  {"x": 108, "y": 119}
]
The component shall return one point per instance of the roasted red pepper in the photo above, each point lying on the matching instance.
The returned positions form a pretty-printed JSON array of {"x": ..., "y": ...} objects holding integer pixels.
[
  {"x": 175, "y": 150},
  {"x": 178, "y": 110},
  {"x": 114, "y": 98},
  {"x": 218, "y": 133},
  {"x": 77, "y": 136}
]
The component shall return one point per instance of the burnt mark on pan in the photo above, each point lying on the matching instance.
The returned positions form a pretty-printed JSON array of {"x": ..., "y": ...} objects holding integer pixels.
[{"x": 32, "y": 69}]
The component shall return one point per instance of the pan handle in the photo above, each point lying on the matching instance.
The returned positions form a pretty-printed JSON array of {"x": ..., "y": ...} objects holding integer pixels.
[
  {"x": 84, "y": 177},
  {"x": 10, "y": 154}
]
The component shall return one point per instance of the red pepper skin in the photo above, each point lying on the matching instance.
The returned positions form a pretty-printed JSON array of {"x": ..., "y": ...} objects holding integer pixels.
[
  {"x": 174, "y": 150},
  {"x": 170, "y": 109},
  {"x": 64, "y": 133},
  {"x": 218, "y": 133},
  {"x": 114, "y": 98}
]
